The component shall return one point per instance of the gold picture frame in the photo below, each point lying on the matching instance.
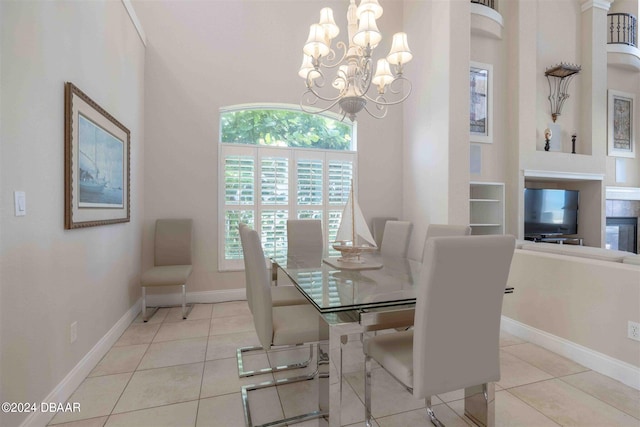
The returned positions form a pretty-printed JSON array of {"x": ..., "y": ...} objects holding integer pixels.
[{"x": 97, "y": 169}]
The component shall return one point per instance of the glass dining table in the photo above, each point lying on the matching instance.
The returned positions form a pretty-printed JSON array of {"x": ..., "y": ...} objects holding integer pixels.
[{"x": 378, "y": 294}]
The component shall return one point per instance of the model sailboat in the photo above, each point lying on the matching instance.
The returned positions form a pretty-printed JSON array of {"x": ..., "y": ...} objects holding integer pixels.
[{"x": 351, "y": 227}]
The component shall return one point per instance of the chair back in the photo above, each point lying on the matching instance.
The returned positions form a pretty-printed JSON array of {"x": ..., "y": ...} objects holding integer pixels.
[
  {"x": 396, "y": 238},
  {"x": 242, "y": 231},
  {"x": 305, "y": 241},
  {"x": 458, "y": 309},
  {"x": 258, "y": 285},
  {"x": 378, "y": 224},
  {"x": 172, "y": 245},
  {"x": 444, "y": 230}
]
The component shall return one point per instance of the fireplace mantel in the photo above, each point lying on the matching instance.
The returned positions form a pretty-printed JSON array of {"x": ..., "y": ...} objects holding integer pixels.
[{"x": 623, "y": 193}]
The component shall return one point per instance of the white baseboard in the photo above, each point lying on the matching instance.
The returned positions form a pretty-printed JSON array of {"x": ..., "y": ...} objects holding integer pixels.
[
  {"x": 617, "y": 369},
  {"x": 205, "y": 297},
  {"x": 62, "y": 392},
  {"x": 70, "y": 383}
]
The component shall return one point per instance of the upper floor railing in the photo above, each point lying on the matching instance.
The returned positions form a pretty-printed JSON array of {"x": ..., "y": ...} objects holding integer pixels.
[
  {"x": 488, "y": 3},
  {"x": 623, "y": 29}
]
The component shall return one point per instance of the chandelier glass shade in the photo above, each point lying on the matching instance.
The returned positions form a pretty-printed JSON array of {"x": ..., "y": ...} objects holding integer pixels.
[{"x": 353, "y": 78}]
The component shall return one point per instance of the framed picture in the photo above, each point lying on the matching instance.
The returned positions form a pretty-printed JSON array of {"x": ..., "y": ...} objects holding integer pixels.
[
  {"x": 96, "y": 155},
  {"x": 481, "y": 102},
  {"x": 620, "y": 130}
]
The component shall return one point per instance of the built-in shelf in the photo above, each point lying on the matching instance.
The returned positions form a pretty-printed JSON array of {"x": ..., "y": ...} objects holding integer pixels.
[{"x": 486, "y": 207}]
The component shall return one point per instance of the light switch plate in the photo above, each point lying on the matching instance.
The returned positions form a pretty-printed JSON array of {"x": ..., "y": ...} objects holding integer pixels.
[{"x": 20, "y": 200}]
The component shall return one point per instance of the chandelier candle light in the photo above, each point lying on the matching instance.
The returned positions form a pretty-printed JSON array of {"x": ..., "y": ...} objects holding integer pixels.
[{"x": 354, "y": 76}]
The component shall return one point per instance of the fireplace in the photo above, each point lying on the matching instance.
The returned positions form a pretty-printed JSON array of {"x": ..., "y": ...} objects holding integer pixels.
[{"x": 622, "y": 233}]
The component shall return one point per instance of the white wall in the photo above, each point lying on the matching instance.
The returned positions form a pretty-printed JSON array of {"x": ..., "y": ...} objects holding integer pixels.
[
  {"x": 203, "y": 55},
  {"x": 51, "y": 276},
  {"x": 436, "y": 144}
]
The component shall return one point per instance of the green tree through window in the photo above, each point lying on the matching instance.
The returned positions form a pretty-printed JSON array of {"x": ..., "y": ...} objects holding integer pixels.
[
  {"x": 288, "y": 128},
  {"x": 278, "y": 163}
]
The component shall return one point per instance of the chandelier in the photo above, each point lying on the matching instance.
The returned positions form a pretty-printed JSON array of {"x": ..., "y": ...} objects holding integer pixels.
[{"x": 353, "y": 77}]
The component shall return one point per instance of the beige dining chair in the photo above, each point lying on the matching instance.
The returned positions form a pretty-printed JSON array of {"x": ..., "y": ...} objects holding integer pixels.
[
  {"x": 455, "y": 340},
  {"x": 305, "y": 242},
  {"x": 280, "y": 296},
  {"x": 377, "y": 225},
  {"x": 444, "y": 230},
  {"x": 172, "y": 261},
  {"x": 282, "y": 326},
  {"x": 395, "y": 242},
  {"x": 403, "y": 320}
]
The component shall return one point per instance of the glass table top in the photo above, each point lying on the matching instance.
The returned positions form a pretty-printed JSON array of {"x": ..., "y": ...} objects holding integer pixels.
[{"x": 331, "y": 289}]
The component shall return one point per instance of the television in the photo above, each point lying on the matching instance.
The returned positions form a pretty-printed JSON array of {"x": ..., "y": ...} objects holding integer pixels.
[{"x": 549, "y": 212}]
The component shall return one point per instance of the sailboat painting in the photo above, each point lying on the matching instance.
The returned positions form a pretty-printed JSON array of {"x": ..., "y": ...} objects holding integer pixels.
[
  {"x": 100, "y": 167},
  {"x": 352, "y": 226}
]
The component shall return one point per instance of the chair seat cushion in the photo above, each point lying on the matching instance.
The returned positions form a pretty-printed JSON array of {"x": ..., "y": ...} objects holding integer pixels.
[
  {"x": 166, "y": 275},
  {"x": 286, "y": 295},
  {"x": 297, "y": 324},
  {"x": 394, "y": 351}
]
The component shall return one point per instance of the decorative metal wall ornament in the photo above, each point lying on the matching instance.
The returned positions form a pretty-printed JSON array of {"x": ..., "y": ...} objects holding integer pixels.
[{"x": 559, "y": 77}]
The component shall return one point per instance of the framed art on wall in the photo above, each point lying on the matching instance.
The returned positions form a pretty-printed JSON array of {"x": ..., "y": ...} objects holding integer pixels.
[
  {"x": 481, "y": 102},
  {"x": 97, "y": 171},
  {"x": 620, "y": 108}
]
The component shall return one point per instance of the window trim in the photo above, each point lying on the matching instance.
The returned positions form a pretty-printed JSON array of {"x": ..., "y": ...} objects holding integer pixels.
[{"x": 293, "y": 154}]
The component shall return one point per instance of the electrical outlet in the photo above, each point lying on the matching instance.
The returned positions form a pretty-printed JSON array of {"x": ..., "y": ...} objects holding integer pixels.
[
  {"x": 73, "y": 332},
  {"x": 633, "y": 330}
]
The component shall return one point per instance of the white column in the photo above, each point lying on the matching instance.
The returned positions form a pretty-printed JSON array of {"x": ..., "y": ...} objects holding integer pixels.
[{"x": 593, "y": 77}]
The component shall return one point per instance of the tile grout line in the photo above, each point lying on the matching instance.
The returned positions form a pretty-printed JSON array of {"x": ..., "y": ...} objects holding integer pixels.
[
  {"x": 204, "y": 364},
  {"x": 136, "y": 369},
  {"x": 592, "y": 395},
  {"x": 534, "y": 408},
  {"x": 542, "y": 369}
]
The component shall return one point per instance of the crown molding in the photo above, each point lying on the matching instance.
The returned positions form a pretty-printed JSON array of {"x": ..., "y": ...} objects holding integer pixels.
[
  {"x": 599, "y": 4},
  {"x": 134, "y": 19}
]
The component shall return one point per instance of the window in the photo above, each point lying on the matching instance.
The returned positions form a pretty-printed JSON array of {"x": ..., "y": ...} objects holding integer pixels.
[{"x": 279, "y": 163}]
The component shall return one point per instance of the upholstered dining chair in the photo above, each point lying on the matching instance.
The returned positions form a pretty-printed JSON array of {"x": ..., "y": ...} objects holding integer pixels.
[
  {"x": 444, "y": 230},
  {"x": 172, "y": 261},
  {"x": 280, "y": 296},
  {"x": 401, "y": 321},
  {"x": 282, "y": 326},
  {"x": 455, "y": 340},
  {"x": 305, "y": 241},
  {"x": 396, "y": 238},
  {"x": 377, "y": 225}
]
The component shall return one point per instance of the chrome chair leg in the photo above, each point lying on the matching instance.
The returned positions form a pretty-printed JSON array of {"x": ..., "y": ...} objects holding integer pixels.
[
  {"x": 244, "y": 392},
  {"x": 367, "y": 391},
  {"x": 186, "y": 308},
  {"x": 479, "y": 404},
  {"x": 144, "y": 303},
  {"x": 432, "y": 416},
  {"x": 242, "y": 373},
  {"x": 145, "y": 316}
]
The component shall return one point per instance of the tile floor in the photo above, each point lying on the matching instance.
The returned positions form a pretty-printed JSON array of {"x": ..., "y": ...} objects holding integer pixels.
[{"x": 170, "y": 372}]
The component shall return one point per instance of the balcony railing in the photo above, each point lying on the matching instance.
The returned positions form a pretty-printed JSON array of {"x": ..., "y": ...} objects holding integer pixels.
[
  {"x": 623, "y": 29},
  {"x": 488, "y": 3}
]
